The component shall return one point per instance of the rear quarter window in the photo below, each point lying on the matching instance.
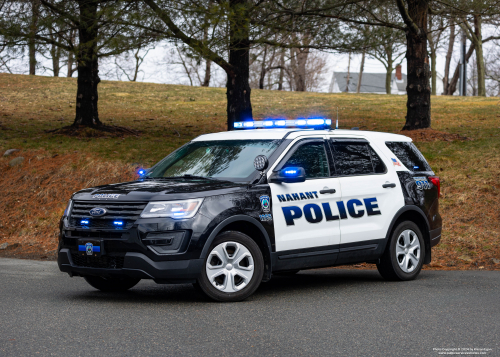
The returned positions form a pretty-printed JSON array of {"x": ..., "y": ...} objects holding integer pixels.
[{"x": 409, "y": 155}]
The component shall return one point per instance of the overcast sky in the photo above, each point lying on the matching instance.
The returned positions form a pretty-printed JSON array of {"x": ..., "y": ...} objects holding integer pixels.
[{"x": 161, "y": 65}]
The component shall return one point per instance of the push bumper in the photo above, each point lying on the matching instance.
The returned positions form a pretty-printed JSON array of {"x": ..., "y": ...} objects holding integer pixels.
[
  {"x": 137, "y": 265},
  {"x": 435, "y": 235}
]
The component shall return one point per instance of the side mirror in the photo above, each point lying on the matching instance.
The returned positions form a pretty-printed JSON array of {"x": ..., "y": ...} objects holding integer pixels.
[{"x": 288, "y": 175}]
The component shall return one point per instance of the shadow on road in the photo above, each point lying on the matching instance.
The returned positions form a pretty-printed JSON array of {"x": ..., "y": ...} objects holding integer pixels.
[{"x": 307, "y": 282}]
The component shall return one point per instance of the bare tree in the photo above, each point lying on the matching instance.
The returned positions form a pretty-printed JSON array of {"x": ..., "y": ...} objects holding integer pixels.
[
  {"x": 128, "y": 64},
  {"x": 449, "y": 54},
  {"x": 435, "y": 31},
  {"x": 361, "y": 69}
]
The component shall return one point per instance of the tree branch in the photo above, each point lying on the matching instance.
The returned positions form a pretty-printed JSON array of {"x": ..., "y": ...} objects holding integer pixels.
[
  {"x": 406, "y": 17},
  {"x": 195, "y": 44}
]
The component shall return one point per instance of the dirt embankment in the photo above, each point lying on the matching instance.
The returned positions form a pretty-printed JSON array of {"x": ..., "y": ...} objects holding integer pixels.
[{"x": 34, "y": 194}]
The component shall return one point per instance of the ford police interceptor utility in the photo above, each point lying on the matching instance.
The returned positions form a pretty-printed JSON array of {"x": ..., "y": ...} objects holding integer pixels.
[{"x": 228, "y": 210}]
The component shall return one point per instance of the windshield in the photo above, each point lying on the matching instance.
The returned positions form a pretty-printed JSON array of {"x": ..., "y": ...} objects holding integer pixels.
[{"x": 230, "y": 160}]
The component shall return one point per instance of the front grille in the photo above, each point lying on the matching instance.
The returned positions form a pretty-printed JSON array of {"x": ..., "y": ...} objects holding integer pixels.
[
  {"x": 93, "y": 234},
  {"x": 104, "y": 262},
  {"x": 116, "y": 211}
]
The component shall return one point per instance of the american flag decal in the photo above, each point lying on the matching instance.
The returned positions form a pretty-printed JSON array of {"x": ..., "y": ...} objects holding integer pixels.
[{"x": 395, "y": 162}]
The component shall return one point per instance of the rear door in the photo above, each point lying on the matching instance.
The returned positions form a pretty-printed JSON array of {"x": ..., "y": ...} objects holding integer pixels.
[
  {"x": 371, "y": 193},
  {"x": 304, "y": 213}
]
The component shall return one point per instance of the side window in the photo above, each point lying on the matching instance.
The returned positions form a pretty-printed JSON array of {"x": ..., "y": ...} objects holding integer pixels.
[
  {"x": 378, "y": 164},
  {"x": 352, "y": 158},
  {"x": 312, "y": 157},
  {"x": 409, "y": 155}
]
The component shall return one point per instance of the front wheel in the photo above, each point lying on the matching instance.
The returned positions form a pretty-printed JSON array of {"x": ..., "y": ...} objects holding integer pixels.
[
  {"x": 404, "y": 255},
  {"x": 233, "y": 268},
  {"x": 111, "y": 284}
]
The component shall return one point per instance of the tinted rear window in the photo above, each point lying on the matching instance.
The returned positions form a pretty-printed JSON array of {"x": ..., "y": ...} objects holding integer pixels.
[
  {"x": 356, "y": 159},
  {"x": 409, "y": 155}
]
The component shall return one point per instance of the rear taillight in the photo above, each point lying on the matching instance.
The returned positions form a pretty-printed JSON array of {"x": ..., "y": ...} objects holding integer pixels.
[{"x": 436, "y": 182}]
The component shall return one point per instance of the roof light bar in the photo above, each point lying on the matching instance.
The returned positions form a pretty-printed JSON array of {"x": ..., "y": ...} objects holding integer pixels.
[{"x": 309, "y": 123}]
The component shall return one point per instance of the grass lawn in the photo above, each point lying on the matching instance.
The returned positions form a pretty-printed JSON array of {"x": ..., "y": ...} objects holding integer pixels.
[{"x": 169, "y": 115}]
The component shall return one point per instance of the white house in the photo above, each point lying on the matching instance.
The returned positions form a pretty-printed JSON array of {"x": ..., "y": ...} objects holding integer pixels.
[{"x": 374, "y": 83}]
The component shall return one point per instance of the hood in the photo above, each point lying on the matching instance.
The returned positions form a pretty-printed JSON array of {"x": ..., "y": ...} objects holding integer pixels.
[{"x": 158, "y": 190}]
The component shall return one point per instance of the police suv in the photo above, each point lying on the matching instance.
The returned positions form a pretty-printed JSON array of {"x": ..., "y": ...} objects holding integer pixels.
[{"x": 228, "y": 210}]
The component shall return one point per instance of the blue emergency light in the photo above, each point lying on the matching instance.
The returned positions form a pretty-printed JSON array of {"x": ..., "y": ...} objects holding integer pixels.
[
  {"x": 141, "y": 172},
  {"x": 84, "y": 221},
  {"x": 118, "y": 223},
  {"x": 309, "y": 123},
  {"x": 290, "y": 172}
]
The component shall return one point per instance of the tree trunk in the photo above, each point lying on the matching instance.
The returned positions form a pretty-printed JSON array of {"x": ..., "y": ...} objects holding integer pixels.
[
  {"x": 88, "y": 72},
  {"x": 263, "y": 69},
  {"x": 481, "y": 75},
  {"x": 452, "y": 87},
  {"x": 71, "y": 56},
  {"x": 70, "y": 65},
  {"x": 208, "y": 63},
  {"x": 433, "y": 49},
  {"x": 55, "y": 53},
  {"x": 300, "y": 74},
  {"x": 206, "y": 80},
  {"x": 360, "y": 77},
  {"x": 35, "y": 13},
  {"x": 419, "y": 92},
  {"x": 449, "y": 53},
  {"x": 282, "y": 70},
  {"x": 239, "y": 107},
  {"x": 348, "y": 74},
  {"x": 388, "y": 81},
  {"x": 433, "y": 71},
  {"x": 388, "y": 73}
]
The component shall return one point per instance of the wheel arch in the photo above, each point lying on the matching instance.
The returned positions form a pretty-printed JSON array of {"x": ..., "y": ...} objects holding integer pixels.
[
  {"x": 416, "y": 215},
  {"x": 252, "y": 228}
]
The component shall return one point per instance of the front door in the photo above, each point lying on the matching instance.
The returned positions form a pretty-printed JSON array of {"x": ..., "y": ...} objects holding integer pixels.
[{"x": 305, "y": 213}]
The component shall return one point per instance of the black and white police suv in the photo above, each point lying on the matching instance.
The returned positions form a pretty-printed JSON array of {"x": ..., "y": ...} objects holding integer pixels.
[{"x": 228, "y": 210}]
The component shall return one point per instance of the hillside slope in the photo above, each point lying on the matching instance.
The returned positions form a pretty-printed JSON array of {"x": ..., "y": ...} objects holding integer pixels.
[{"x": 34, "y": 194}]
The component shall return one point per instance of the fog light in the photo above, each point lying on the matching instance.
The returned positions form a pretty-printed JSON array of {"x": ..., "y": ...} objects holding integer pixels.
[{"x": 164, "y": 242}]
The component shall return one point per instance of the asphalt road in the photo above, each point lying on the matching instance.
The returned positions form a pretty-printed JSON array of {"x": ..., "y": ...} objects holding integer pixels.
[{"x": 329, "y": 312}]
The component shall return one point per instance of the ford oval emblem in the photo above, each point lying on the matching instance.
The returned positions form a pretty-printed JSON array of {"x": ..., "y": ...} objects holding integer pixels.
[{"x": 97, "y": 212}]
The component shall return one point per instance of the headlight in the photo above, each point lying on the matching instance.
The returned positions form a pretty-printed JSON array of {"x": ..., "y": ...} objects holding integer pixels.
[
  {"x": 172, "y": 209},
  {"x": 68, "y": 208}
]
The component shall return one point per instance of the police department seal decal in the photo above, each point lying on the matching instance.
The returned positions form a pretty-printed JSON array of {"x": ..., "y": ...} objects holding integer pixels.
[
  {"x": 89, "y": 248},
  {"x": 265, "y": 202}
]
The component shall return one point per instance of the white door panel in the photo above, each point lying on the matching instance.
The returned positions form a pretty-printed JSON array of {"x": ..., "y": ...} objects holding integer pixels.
[
  {"x": 310, "y": 221},
  {"x": 377, "y": 214}
]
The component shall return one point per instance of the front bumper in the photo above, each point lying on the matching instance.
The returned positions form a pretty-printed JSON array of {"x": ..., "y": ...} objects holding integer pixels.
[{"x": 137, "y": 265}]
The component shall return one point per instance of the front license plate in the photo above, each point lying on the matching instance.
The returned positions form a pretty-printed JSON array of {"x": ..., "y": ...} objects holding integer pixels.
[{"x": 90, "y": 247}]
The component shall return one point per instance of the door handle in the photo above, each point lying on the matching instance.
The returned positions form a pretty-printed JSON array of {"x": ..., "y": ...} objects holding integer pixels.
[
  {"x": 389, "y": 185},
  {"x": 332, "y": 190}
]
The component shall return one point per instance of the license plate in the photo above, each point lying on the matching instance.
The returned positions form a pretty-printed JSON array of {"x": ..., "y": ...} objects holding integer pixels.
[
  {"x": 90, "y": 247},
  {"x": 422, "y": 183}
]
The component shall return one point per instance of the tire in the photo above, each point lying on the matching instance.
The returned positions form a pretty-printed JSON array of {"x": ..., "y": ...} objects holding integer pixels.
[
  {"x": 111, "y": 284},
  {"x": 233, "y": 268},
  {"x": 404, "y": 255}
]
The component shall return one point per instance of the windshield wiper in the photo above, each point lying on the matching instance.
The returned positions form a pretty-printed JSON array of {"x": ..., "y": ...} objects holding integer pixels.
[
  {"x": 188, "y": 176},
  {"x": 199, "y": 177}
]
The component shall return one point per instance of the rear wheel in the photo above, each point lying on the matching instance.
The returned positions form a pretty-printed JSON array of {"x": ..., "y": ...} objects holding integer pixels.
[
  {"x": 111, "y": 284},
  {"x": 404, "y": 255},
  {"x": 233, "y": 268}
]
